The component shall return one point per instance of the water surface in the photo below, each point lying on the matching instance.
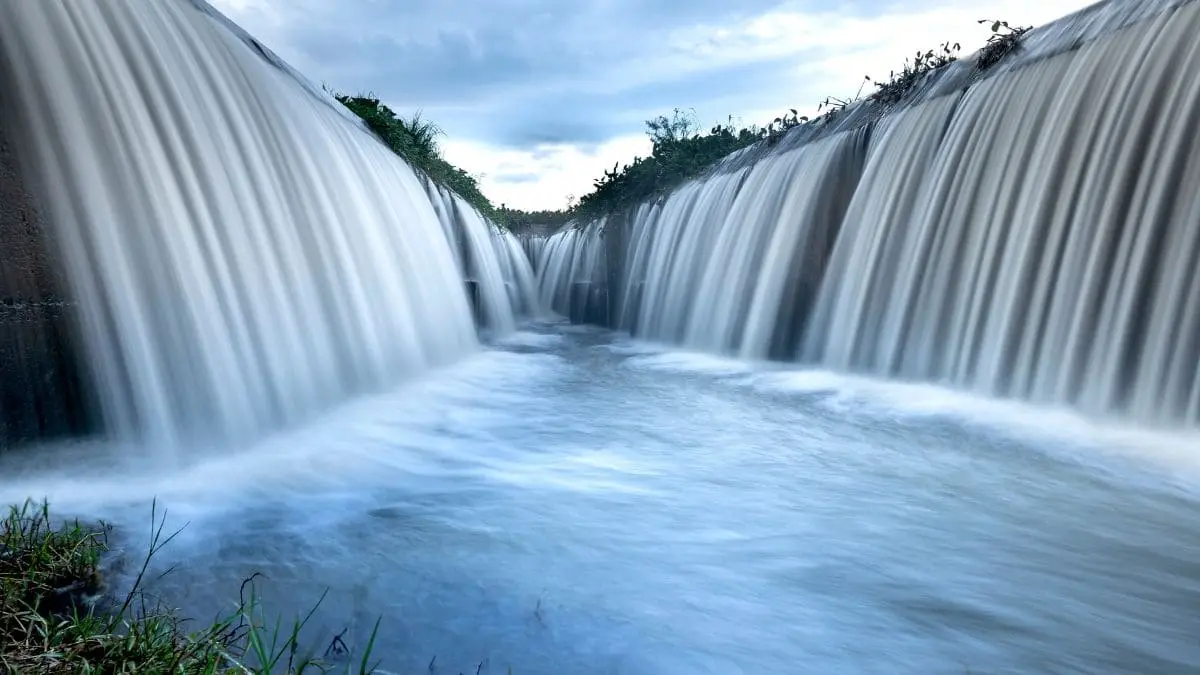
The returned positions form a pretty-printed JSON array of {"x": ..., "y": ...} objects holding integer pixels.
[{"x": 571, "y": 502}]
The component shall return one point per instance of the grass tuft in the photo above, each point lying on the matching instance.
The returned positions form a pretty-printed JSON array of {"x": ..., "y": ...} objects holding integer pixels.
[{"x": 56, "y": 615}]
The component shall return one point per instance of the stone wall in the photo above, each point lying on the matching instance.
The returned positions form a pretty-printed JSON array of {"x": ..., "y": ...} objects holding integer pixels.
[{"x": 41, "y": 391}]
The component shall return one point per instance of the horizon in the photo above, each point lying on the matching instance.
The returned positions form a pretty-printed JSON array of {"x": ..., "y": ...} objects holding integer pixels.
[{"x": 537, "y": 119}]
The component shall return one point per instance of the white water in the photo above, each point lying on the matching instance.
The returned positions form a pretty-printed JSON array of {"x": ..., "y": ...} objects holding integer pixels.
[
  {"x": 573, "y": 255},
  {"x": 488, "y": 255},
  {"x": 242, "y": 254},
  {"x": 1034, "y": 237},
  {"x": 570, "y": 502}
]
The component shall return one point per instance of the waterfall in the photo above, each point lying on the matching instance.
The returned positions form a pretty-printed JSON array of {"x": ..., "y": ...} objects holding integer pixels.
[
  {"x": 1033, "y": 233},
  {"x": 517, "y": 272},
  {"x": 570, "y": 257},
  {"x": 241, "y": 253},
  {"x": 489, "y": 258}
]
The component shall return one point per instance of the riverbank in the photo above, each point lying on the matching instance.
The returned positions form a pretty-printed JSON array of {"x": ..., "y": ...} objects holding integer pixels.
[{"x": 58, "y": 613}]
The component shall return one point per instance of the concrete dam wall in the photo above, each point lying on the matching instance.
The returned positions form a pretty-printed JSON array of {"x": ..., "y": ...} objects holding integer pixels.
[
  {"x": 41, "y": 390},
  {"x": 1029, "y": 230}
]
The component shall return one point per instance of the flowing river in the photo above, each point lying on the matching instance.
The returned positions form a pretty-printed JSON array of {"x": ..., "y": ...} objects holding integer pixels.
[{"x": 569, "y": 501}]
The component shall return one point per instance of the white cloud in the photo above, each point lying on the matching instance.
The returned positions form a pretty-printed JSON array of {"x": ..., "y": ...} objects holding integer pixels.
[
  {"x": 831, "y": 52},
  {"x": 556, "y": 171}
]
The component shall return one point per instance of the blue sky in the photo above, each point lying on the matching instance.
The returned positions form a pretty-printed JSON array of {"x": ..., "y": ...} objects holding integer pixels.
[{"x": 538, "y": 97}]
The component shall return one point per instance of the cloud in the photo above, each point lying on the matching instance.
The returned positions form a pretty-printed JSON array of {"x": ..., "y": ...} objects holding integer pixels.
[
  {"x": 545, "y": 176},
  {"x": 518, "y": 177},
  {"x": 559, "y": 89}
]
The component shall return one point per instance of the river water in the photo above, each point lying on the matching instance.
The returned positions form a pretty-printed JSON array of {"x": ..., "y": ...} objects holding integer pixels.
[{"x": 568, "y": 501}]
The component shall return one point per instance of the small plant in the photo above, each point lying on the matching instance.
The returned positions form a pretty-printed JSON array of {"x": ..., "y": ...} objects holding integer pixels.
[
  {"x": 53, "y": 618},
  {"x": 54, "y": 570},
  {"x": 1004, "y": 40},
  {"x": 901, "y": 84},
  {"x": 833, "y": 106},
  {"x": 783, "y": 124}
]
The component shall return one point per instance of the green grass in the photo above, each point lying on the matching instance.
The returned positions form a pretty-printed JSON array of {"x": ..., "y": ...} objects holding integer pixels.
[{"x": 57, "y": 616}]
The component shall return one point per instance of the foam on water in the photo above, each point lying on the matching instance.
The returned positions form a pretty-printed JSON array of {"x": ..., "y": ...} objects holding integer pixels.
[
  {"x": 869, "y": 398},
  {"x": 332, "y": 452},
  {"x": 593, "y": 506}
]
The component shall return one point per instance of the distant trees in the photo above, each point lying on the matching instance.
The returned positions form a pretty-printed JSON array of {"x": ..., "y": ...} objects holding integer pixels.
[{"x": 679, "y": 150}]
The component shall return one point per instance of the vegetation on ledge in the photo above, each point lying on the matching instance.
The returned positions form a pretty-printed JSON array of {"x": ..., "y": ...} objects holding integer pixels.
[
  {"x": 55, "y": 616},
  {"x": 1003, "y": 41},
  {"x": 517, "y": 220},
  {"x": 416, "y": 140},
  {"x": 681, "y": 150}
]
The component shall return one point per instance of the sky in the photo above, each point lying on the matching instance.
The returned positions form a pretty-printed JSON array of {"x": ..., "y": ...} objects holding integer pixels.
[{"x": 538, "y": 97}]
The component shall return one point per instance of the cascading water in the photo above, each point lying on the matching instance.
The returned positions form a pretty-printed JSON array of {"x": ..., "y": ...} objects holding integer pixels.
[
  {"x": 1032, "y": 235},
  {"x": 488, "y": 257},
  {"x": 240, "y": 252},
  {"x": 532, "y": 246},
  {"x": 573, "y": 256},
  {"x": 517, "y": 272}
]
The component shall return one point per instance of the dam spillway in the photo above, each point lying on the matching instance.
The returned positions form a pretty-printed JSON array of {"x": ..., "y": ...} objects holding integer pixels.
[
  {"x": 238, "y": 252},
  {"x": 1031, "y": 232}
]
